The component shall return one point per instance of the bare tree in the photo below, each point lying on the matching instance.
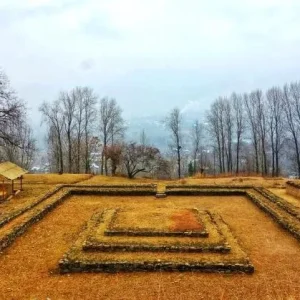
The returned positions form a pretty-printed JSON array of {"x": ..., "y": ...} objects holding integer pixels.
[
  {"x": 139, "y": 158},
  {"x": 173, "y": 123},
  {"x": 89, "y": 110},
  {"x": 228, "y": 134},
  {"x": 275, "y": 119},
  {"x": 291, "y": 100},
  {"x": 84, "y": 121},
  {"x": 78, "y": 96},
  {"x": 111, "y": 126},
  {"x": 68, "y": 102},
  {"x": 239, "y": 120},
  {"x": 262, "y": 121},
  {"x": 251, "y": 111},
  {"x": 222, "y": 133},
  {"x": 214, "y": 129},
  {"x": 12, "y": 112},
  {"x": 54, "y": 116},
  {"x": 196, "y": 136}
]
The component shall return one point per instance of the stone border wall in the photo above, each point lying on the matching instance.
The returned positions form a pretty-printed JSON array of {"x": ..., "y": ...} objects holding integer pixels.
[
  {"x": 206, "y": 186},
  {"x": 293, "y": 189},
  {"x": 276, "y": 216},
  {"x": 16, "y": 231},
  {"x": 17, "y": 213},
  {"x": 67, "y": 267},
  {"x": 140, "y": 190},
  {"x": 206, "y": 192},
  {"x": 285, "y": 205},
  {"x": 13, "y": 233}
]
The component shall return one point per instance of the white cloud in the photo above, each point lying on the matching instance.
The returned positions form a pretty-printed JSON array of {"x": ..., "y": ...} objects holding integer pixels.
[{"x": 201, "y": 47}]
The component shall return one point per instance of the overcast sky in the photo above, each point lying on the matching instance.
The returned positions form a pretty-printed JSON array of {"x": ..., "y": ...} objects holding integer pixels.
[{"x": 151, "y": 55}]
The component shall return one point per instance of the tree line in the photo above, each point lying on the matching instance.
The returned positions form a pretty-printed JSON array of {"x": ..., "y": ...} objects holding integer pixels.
[
  {"x": 86, "y": 132},
  {"x": 257, "y": 132},
  {"x": 249, "y": 133}
]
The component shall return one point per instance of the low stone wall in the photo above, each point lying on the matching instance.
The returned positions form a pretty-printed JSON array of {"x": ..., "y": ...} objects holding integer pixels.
[
  {"x": 110, "y": 267},
  {"x": 282, "y": 203},
  {"x": 205, "y": 192},
  {"x": 36, "y": 215},
  {"x": 17, "y": 213},
  {"x": 145, "y": 190},
  {"x": 293, "y": 189},
  {"x": 114, "y": 190},
  {"x": 206, "y": 186},
  {"x": 292, "y": 228}
]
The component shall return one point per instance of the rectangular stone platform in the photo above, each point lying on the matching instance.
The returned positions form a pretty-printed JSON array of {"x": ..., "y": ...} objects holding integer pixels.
[
  {"x": 98, "y": 240},
  {"x": 81, "y": 259}
]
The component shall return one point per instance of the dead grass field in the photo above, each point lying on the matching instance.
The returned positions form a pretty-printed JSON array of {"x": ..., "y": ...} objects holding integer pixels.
[
  {"x": 55, "y": 178},
  {"x": 29, "y": 266},
  {"x": 260, "y": 181}
]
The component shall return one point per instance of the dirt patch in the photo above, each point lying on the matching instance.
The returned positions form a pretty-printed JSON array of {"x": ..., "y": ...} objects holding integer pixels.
[{"x": 185, "y": 220}]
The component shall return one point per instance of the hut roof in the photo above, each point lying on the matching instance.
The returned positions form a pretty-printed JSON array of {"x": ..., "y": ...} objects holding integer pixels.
[{"x": 11, "y": 171}]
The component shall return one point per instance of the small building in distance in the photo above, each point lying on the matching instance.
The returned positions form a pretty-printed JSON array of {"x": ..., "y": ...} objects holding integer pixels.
[{"x": 9, "y": 172}]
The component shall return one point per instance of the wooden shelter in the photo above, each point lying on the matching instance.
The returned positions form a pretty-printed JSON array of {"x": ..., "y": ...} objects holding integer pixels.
[{"x": 10, "y": 171}]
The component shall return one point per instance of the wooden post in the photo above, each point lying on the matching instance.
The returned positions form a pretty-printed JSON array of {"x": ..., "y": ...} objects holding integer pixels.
[
  {"x": 3, "y": 189},
  {"x": 12, "y": 187}
]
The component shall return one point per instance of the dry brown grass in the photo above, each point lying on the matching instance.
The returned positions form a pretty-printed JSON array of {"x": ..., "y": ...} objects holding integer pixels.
[
  {"x": 283, "y": 194},
  {"x": 95, "y": 237},
  {"x": 236, "y": 255},
  {"x": 157, "y": 220},
  {"x": 28, "y": 267},
  {"x": 258, "y": 181},
  {"x": 29, "y": 195},
  {"x": 35, "y": 186},
  {"x": 185, "y": 220},
  {"x": 55, "y": 178}
]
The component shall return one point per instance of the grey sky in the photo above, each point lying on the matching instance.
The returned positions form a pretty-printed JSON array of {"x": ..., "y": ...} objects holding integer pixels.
[{"x": 150, "y": 55}]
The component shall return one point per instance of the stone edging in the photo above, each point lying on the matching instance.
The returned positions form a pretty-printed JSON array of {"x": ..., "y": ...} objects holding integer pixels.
[
  {"x": 281, "y": 221},
  {"x": 16, "y": 231}
]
